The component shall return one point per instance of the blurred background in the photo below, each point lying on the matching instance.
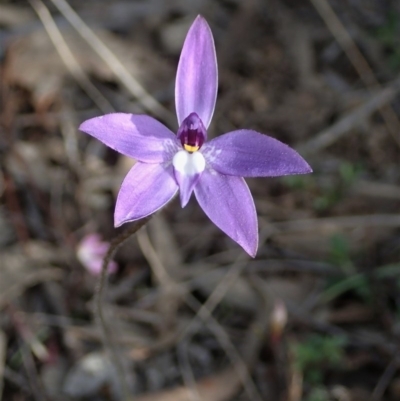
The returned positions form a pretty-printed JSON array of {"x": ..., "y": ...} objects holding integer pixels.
[{"x": 314, "y": 317}]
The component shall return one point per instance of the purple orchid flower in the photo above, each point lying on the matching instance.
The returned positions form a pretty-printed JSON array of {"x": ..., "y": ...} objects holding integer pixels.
[{"x": 213, "y": 170}]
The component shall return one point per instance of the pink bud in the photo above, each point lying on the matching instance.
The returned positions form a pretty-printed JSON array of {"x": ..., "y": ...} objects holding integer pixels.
[{"x": 91, "y": 251}]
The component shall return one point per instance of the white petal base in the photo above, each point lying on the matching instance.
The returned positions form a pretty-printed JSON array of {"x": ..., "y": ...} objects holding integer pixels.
[
  {"x": 188, "y": 168},
  {"x": 189, "y": 163}
]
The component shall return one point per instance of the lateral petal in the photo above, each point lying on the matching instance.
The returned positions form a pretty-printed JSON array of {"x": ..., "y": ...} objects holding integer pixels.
[
  {"x": 227, "y": 201},
  {"x": 138, "y": 136},
  {"x": 145, "y": 189},
  {"x": 197, "y": 75},
  {"x": 247, "y": 153}
]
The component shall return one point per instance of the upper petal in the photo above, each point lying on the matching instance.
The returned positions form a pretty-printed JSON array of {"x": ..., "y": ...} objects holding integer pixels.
[
  {"x": 197, "y": 75},
  {"x": 134, "y": 135},
  {"x": 145, "y": 189},
  {"x": 228, "y": 203},
  {"x": 248, "y": 153}
]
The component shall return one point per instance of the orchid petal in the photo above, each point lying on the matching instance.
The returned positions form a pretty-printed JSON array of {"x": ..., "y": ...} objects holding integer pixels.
[
  {"x": 248, "y": 153},
  {"x": 227, "y": 201},
  {"x": 138, "y": 136},
  {"x": 197, "y": 75},
  {"x": 145, "y": 189},
  {"x": 188, "y": 168}
]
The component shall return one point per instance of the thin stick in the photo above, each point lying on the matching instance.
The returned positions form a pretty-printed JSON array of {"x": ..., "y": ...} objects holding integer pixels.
[
  {"x": 241, "y": 367},
  {"x": 116, "y": 243},
  {"x": 187, "y": 371},
  {"x": 359, "y": 62},
  {"x": 385, "y": 379},
  {"x": 35, "y": 384},
  {"x": 205, "y": 311},
  {"x": 333, "y": 133},
  {"x": 3, "y": 351},
  {"x": 332, "y": 224},
  {"x": 204, "y": 314},
  {"x": 68, "y": 58},
  {"x": 119, "y": 70}
]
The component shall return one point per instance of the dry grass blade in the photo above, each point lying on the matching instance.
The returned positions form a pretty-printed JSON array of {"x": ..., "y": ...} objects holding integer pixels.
[
  {"x": 68, "y": 58},
  {"x": 376, "y": 189},
  {"x": 219, "y": 292},
  {"x": 333, "y": 223},
  {"x": 204, "y": 314},
  {"x": 30, "y": 279},
  {"x": 333, "y": 133},
  {"x": 121, "y": 73},
  {"x": 385, "y": 379},
  {"x": 241, "y": 367},
  {"x": 3, "y": 345},
  {"x": 221, "y": 289},
  {"x": 359, "y": 62},
  {"x": 187, "y": 371},
  {"x": 12, "y": 15},
  {"x": 223, "y": 386},
  {"x": 156, "y": 264},
  {"x": 171, "y": 294}
]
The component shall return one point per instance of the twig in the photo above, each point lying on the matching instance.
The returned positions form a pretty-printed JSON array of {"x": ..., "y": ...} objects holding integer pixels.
[
  {"x": 187, "y": 371},
  {"x": 295, "y": 380},
  {"x": 30, "y": 279},
  {"x": 336, "y": 131},
  {"x": 13, "y": 204},
  {"x": 119, "y": 70},
  {"x": 241, "y": 364},
  {"x": 218, "y": 294},
  {"x": 205, "y": 316},
  {"x": 359, "y": 62},
  {"x": 156, "y": 264},
  {"x": 376, "y": 189},
  {"x": 68, "y": 58},
  {"x": 329, "y": 224},
  {"x": 26, "y": 333},
  {"x": 3, "y": 345},
  {"x": 170, "y": 293},
  {"x": 32, "y": 373},
  {"x": 98, "y": 302},
  {"x": 346, "y": 42},
  {"x": 385, "y": 378}
]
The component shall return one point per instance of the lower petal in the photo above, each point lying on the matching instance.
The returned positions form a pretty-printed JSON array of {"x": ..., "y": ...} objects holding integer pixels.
[
  {"x": 227, "y": 201},
  {"x": 145, "y": 189}
]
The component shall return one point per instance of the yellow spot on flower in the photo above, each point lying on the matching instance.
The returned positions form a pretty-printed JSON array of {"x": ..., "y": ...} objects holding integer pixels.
[{"x": 190, "y": 148}]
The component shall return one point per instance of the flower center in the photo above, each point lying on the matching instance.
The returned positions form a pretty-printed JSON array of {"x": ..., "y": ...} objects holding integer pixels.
[
  {"x": 192, "y": 133},
  {"x": 188, "y": 164}
]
